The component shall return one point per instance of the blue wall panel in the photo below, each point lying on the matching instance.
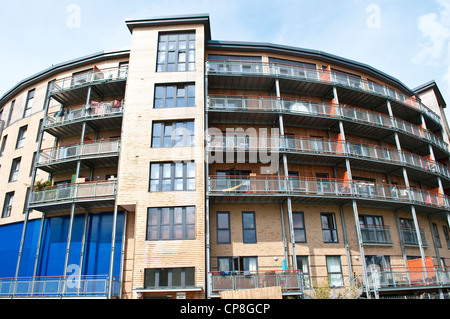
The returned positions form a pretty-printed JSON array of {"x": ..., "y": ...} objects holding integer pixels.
[{"x": 54, "y": 244}]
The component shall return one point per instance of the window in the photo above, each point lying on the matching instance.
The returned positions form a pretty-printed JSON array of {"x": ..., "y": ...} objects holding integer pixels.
[
  {"x": 7, "y": 206},
  {"x": 373, "y": 230},
  {"x": 176, "y": 52},
  {"x": 171, "y": 223},
  {"x": 169, "y": 277},
  {"x": 173, "y": 134},
  {"x": 334, "y": 270},
  {"x": 29, "y": 103},
  {"x": 223, "y": 228},
  {"x": 39, "y": 129},
  {"x": 303, "y": 265},
  {"x": 234, "y": 64},
  {"x": 435, "y": 232},
  {"x": 11, "y": 110},
  {"x": 447, "y": 236},
  {"x": 167, "y": 177},
  {"x": 294, "y": 68},
  {"x": 299, "y": 227},
  {"x": 26, "y": 200},
  {"x": 248, "y": 227},
  {"x": 32, "y": 163},
  {"x": 237, "y": 263},
  {"x": 21, "y": 137},
  {"x": 15, "y": 166},
  {"x": 2, "y": 148},
  {"x": 177, "y": 95},
  {"x": 329, "y": 230}
]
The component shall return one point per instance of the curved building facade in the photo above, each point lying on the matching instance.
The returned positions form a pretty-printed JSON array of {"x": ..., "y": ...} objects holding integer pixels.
[{"x": 187, "y": 167}]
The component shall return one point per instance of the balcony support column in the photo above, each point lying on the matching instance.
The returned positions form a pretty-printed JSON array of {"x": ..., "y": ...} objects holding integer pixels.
[
  {"x": 436, "y": 248},
  {"x": 402, "y": 243},
  {"x": 347, "y": 250},
  {"x": 83, "y": 239},
  {"x": 283, "y": 231},
  {"x": 113, "y": 248},
  {"x": 361, "y": 247},
  {"x": 286, "y": 174},
  {"x": 419, "y": 237},
  {"x": 122, "y": 251},
  {"x": 39, "y": 244},
  {"x": 69, "y": 242}
]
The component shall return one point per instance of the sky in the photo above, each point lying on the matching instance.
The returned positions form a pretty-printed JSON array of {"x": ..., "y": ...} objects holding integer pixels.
[{"x": 407, "y": 39}]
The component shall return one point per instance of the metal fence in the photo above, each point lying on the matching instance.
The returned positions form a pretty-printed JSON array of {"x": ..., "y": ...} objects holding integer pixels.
[
  {"x": 235, "y": 280},
  {"x": 262, "y": 104},
  {"x": 73, "y": 192},
  {"x": 318, "y": 76},
  {"x": 74, "y": 151},
  {"x": 89, "y": 78},
  {"x": 59, "y": 286},
  {"x": 223, "y": 185}
]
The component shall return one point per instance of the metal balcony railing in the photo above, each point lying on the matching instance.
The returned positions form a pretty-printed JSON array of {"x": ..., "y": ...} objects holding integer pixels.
[
  {"x": 317, "y": 109},
  {"x": 376, "y": 234},
  {"x": 80, "y": 150},
  {"x": 72, "y": 192},
  {"x": 398, "y": 277},
  {"x": 409, "y": 236},
  {"x": 304, "y": 186},
  {"x": 318, "y": 76},
  {"x": 90, "y": 78},
  {"x": 59, "y": 287},
  {"x": 289, "y": 280},
  {"x": 236, "y": 141},
  {"x": 92, "y": 111}
]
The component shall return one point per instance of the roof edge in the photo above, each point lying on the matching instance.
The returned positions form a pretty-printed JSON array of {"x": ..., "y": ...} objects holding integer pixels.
[
  {"x": 202, "y": 18},
  {"x": 431, "y": 85},
  {"x": 60, "y": 67},
  {"x": 309, "y": 53}
]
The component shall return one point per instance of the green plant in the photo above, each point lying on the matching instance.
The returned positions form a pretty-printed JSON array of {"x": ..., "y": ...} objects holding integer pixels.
[{"x": 40, "y": 185}]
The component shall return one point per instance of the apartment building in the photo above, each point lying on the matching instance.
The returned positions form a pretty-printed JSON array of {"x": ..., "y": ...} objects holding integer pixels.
[{"x": 187, "y": 166}]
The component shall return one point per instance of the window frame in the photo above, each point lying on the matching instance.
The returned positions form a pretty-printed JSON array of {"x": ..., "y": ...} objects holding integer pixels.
[
  {"x": 162, "y": 181},
  {"x": 252, "y": 230},
  {"x": 183, "y": 272},
  {"x": 167, "y": 96},
  {"x": 172, "y": 223},
  {"x": 21, "y": 136},
  {"x": 29, "y": 103},
  {"x": 330, "y": 273},
  {"x": 187, "y": 136},
  {"x": 167, "y": 52},
  {"x": 332, "y": 231},
  {"x": 223, "y": 229},
  {"x": 15, "y": 170},
  {"x": 7, "y": 204},
  {"x": 302, "y": 215}
]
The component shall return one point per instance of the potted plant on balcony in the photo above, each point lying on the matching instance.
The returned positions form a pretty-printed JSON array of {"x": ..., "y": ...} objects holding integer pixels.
[{"x": 40, "y": 185}]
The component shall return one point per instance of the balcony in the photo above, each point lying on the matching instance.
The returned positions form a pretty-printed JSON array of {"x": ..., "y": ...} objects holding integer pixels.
[
  {"x": 107, "y": 115},
  {"x": 74, "y": 89},
  {"x": 101, "y": 153},
  {"x": 322, "y": 191},
  {"x": 256, "y": 75},
  {"x": 407, "y": 278},
  {"x": 227, "y": 109},
  {"x": 289, "y": 281},
  {"x": 59, "y": 287},
  {"x": 376, "y": 235},
  {"x": 59, "y": 198},
  {"x": 330, "y": 152}
]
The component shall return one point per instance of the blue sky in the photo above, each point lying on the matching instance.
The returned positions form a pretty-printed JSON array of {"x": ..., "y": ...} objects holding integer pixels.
[{"x": 408, "y": 39}]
